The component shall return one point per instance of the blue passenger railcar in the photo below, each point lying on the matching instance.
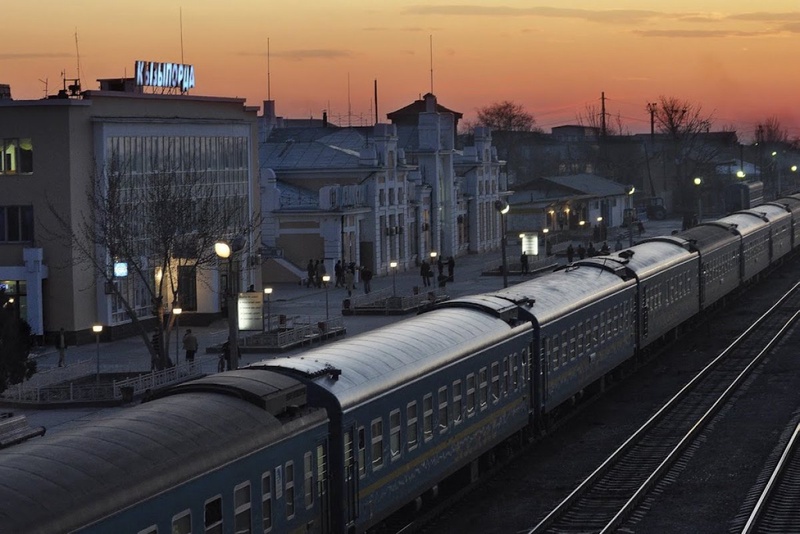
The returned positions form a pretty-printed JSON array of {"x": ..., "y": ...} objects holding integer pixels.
[
  {"x": 667, "y": 285},
  {"x": 584, "y": 322},
  {"x": 720, "y": 260},
  {"x": 231, "y": 453},
  {"x": 792, "y": 203},
  {"x": 780, "y": 228},
  {"x": 753, "y": 233},
  {"x": 413, "y": 403}
]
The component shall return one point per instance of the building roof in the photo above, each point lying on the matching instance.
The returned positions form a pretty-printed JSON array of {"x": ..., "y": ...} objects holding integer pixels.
[
  {"x": 415, "y": 108},
  {"x": 312, "y": 148},
  {"x": 589, "y": 184}
]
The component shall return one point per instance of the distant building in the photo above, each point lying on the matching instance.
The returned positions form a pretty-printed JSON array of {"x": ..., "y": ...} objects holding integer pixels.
[{"x": 51, "y": 149}]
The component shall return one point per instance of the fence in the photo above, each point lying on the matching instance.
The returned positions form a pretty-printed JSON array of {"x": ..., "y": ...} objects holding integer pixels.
[{"x": 295, "y": 330}]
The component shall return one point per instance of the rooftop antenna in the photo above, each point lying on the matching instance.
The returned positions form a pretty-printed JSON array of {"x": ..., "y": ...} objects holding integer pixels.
[
  {"x": 349, "y": 112},
  {"x": 45, "y": 86},
  {"x": 78, "y": 57},
  {"x": 431, "y": 53},
  {"x": 181, "y": 19},
  {"x": 269, "y": 90},
  {"x": 376, "y": 101}
]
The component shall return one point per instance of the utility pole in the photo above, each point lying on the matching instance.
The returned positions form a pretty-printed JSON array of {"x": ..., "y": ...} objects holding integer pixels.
[
  {"x": 652, "y": 107},
  {"x": 603, "y": 113}
]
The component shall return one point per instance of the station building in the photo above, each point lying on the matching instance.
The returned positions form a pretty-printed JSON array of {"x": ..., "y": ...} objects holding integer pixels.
[{"x": 51, "y": 149}]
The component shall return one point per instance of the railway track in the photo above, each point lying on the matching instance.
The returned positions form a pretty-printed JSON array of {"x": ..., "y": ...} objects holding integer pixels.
[
  {"x": 614, "y": 490},
  {"x": 776, "y": 509}
]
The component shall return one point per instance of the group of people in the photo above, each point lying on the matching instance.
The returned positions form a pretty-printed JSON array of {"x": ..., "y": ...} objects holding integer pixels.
[
  {"x": 426, "y": 271},
  {"x": 590, "y": 251},
  {"x": 315, "y": 270}
]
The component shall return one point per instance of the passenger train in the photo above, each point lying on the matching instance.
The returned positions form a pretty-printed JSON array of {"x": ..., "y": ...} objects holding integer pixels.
[{"x": 337, "y": 439}]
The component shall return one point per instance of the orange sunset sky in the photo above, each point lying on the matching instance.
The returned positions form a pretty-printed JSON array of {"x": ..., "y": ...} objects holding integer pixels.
[{"x": 735, "y": 58}]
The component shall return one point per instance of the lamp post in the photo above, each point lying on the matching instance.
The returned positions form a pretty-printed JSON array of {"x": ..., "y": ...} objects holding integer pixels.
[
  {"x": 97, "y": 328},
  {"x": 777, "y": 164},
  {"x": 630, "y": 190},
  {"x": 326, "y": 278},
  {"x": 225, "y": 252},
  {"x": 545, "y": 231},
  {"x": 268, "y": 294},
  {"x": 177, "y": 311},
  {"x": 600, "y": 234},
  {"x": 698, "y": 182},
  {"x": 502, "y": 207},
  {"x": 393, "y": 267}
]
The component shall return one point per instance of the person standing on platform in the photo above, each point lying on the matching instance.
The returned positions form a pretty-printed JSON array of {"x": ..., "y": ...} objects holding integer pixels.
[
  {"x": 424, "y": 271},
  {"x": 338, "y": 273},
  {"x": 366, "y": 277},
  {"x": 61, "y": 345},
  {"x": 190, "y": 346},
  {"x": 570, "y": 253},
  {"x": 523, "y": 259},
  {"x": 451, "y": 265}
]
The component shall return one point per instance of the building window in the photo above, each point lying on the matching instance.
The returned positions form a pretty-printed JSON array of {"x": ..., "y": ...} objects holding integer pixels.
[
  {"x": 16, "y": 224},
  {"x": 17, "y": 156}
]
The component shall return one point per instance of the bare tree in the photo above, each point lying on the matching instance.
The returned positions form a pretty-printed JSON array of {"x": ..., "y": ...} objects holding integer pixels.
[
  {"x": 159, "y": 223},
  {"x": 684, "y": 125},
  {"x": 507, "y": 116},
  {"x": 771, "y": 132}
]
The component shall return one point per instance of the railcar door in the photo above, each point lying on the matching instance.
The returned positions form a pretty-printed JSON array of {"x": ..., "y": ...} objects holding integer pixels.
[
  {"x": 350, "y": 477},
  {"x": 323, "y": 494}
]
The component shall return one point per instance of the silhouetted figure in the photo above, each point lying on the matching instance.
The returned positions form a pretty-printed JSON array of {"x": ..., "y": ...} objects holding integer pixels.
[
  {"x": 570, "y": 253},
  {"x": 523, "y": 259}
]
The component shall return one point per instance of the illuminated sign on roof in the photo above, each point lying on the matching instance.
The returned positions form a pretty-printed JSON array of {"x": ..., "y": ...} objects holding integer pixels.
[{"x": 153, "y": 74}]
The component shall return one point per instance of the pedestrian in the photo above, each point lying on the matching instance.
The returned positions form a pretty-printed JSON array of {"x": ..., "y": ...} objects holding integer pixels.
[
  {"x": 320, "y": 273},
  {"x": 423, "y": 271},
  {"x": 251, "y": 289},
  {"x": 338, "y": 273},
  {"x": 440, "y": 266},
  {"x": 451, "y": 264},
  {"x": 190, "y": 346},
  {"x": 604, "y": 249},
  {"x": 591, "y": 251},
  {"x": 366, "y": 277},
  {"x": 570, "y": 253},
  {"x": 640, "y": 227},
  {"x": 61, "y": 345},
  {"x": 349, "y": 276},
  {"x": 523, "y": 259},
  {"x": 548, "y": 247},
  {"x": 618, "y": 245},
  {"x": 311, "y": 272},
  {"x": 581, "y": 252},
  {"x": 224, "y": 356}
]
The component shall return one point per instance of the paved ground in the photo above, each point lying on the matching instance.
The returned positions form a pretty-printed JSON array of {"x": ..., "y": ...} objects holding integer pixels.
[{"x": 291, "y": 300}]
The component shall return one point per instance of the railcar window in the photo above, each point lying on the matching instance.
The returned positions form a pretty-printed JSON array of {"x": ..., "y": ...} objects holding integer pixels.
[
  {"x": 515, "y": 370},
  {"x": 266, "y": 501},
  {"x": 394, "y": 434},
  {"x": 563, "y": 347},
  {"x": 470, "y": 394},
  {"x": 580, "y": 338},
  {"x": 362, "y": 452},
  {"x": 411, "y": 425},
  {"x": 506, "y": 376},
  {"x": 153, "y": 529},
  {"x": 322, "y": 473},
  {"x": 348, "y": 454},
  {"x": 444, "y": 422},
  {"x": 182, "y": 523},
  {"x": 572, "y": 341},
  {"x": 602, "y": 327},
  {"x": 548, "y": 353},
  {"x": 483, "y": 388},
  {"x": 241, "y": 503},
  {"x": 377, "y": 444},
  {"x": 308, "y": 480},
  {"x": 427, "y": 416},
  {"x": 495, "y": 382},
  {"x": 458, "y": 414},
  {"x": 289, "y": 490},
  {"x": 213, "y": 516}
]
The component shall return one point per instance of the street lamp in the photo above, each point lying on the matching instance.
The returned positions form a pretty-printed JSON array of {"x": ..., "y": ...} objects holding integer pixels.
[
  {"x": 177, "y": 311},
  {"x": 97, "y": 328},
  {"x": 698, "y": 182},
  {"x": 630, "y": 190},
  {"x": 393, "y": 267},
  {"x": 268, "y": 293},
  {"x": 225, "y": 252},
  {"x": 502, "y": 207},
  {"x": 326, "y": 278}
]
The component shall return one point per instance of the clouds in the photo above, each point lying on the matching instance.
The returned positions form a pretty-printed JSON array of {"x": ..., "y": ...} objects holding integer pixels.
[
  {"x": 33, "y": 55},
  {"x": 768, "y": 23}
]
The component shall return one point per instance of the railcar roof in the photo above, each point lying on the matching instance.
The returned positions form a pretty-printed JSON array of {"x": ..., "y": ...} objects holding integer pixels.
[
  {"x": 746, "y": 223},
  {"x": 649, "y": 257},
  {"x": 771, "y": 211},
  {"x": 61, "y": 481},
  {"x": 708, "y": 237},
  {"x": 377, "y": 361}
]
